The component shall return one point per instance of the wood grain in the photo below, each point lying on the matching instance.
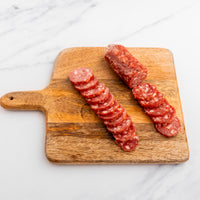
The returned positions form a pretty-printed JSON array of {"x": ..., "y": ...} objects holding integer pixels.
[{"x": 75, "y": 135}]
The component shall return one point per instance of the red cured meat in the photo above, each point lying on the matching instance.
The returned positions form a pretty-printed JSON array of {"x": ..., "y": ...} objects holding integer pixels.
[
  {"x": 120, "y": 128},
  {"x": 171, "y": 129},
  {"x": 87, "y": 86},
  {"x": 144, "y": 91},
  {"x": 167, "y": 118},
  {"x": 107, "y": 108},
  {"x": 99, "y": 89},
  {"x": 125, "y": 64},
  {"x": 129, "y": 145},
  {"x": 81, "y": 75},
  {"x": 117, "y": 121},
  {"x": 110, "y": 110},
  {"x": 153, "y": 103},
  {"x": 102, "y": 106},
  {"x": 137, "y": 78},
  {"x": 99, "y": 99},
  {"x": 126, "y": 135},
  {"x": 113, "y": 115},
  {"x": 159, "y": 111}
]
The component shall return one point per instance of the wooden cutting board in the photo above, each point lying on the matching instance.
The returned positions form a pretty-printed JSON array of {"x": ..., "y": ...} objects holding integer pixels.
[{"x": 75, "y": 135}]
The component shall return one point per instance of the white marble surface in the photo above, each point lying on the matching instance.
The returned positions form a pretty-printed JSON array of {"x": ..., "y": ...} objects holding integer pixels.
[{"x": 31, "y": 35}]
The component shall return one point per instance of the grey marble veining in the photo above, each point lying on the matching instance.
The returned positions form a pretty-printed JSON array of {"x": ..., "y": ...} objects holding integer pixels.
[{"x": 32, "y": 33}]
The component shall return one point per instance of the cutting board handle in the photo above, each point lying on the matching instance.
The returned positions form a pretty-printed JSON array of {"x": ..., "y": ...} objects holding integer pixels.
[{"x": 27, "y": 100}]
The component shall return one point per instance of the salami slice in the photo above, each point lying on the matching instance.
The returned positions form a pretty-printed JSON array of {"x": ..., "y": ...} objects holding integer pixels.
[
  {"x": 125, "y": 64},
  {"x": 113, "y": 115},
  {"x": 87, "y": 86},
  {"x": 94, "y": 92},
  {"x": 153, "y": 103},
  {"x": 81, "y": 75},
  {"x": 171, "y": 129},
  {"x": 129, "y": 145},
  {"x": 159, "y": 111},
  {"x": 167, "y": 118},
  {"x": 117, "y": 121},
  {"x": 99, "y": 99},
  {"x": 126, "y": 135},
  {"x": 144, "y": 91},
  {"x": 110, "y": 110},
  {"x": 120, "y": 128},
  {"x": 103, "y": 106}
]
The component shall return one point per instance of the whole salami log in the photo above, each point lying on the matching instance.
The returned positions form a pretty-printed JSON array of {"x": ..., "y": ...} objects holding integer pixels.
[
  {"x": 125, "y": 65},
  {"x": 114, "y": 116},
  {"x": 155, "y": 105}
]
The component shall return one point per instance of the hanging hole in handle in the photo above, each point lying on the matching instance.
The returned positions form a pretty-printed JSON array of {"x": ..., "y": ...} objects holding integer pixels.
[{"x": 11, "y": 98}]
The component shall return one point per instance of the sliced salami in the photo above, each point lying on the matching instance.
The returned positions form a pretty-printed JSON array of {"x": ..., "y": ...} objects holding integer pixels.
[
  {"x": 103, "y": 106},
  {"x": 99, "y": 89},
  {"x": 126, "y": 135},
  {"x": 81, "y": 75},
  {"x": 159, "y": 111},
  {"x": 167, "y": 118},
  {"x": 117, "y": 121},
  {"x": 99, "y": 99},
  {"x": 144, "y": 91},
  {"x": 110, "y": 110},
  {"x": 171, "y": 129},
  {"x": 153, "y": 103},
  {"x": 113, "y": 115},
  {"x": 120, "y": 128},
  {"x": 129, "y": 145},
  {"x": 137, "y": 78},
  {"x": 87, "y": 86},
  {"x": 107, "y": 108}
]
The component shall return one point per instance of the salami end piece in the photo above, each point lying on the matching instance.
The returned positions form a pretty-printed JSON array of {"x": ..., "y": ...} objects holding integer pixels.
[
  {"x": 169, "y": 130},
  {"x": 125, "y": 65}
]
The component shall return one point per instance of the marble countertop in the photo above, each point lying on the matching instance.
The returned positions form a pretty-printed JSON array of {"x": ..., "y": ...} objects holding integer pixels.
[{"x": 32, "y": 33}]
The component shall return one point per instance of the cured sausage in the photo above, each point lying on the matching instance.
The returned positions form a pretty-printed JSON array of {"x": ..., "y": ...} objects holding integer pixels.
[
  {"x": 166, "y": 118},
  {"x": 156, "y": 101},
  {"x": 133, "y": 74},
  {"x": 100, "y": 98},
  {"x": 159, "y": 111},
  {"x": 125, "y": 65},
  {"x": 81, "y": 75},
  {"x": 128, "y": 145},
  {"x": 114, "y": 115},
  {"x": 144, "y": 91},
  {"x": 126, "y": 135},
  {"x": 120, "y": 128},
  {"x": 117, "y": 121},
  {"x": 86, "y": 86},
  {"x": 104, "y": 104},
  {"x": 171, "y": 129},
  {"x": 99, "y": 89}
]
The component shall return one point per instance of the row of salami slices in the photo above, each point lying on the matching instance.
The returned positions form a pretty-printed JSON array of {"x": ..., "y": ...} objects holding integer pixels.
[
  {"x": 158, "y": 108},
  {"x": 114, "y": 116},
  {"x": 133, "y": 74}
]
